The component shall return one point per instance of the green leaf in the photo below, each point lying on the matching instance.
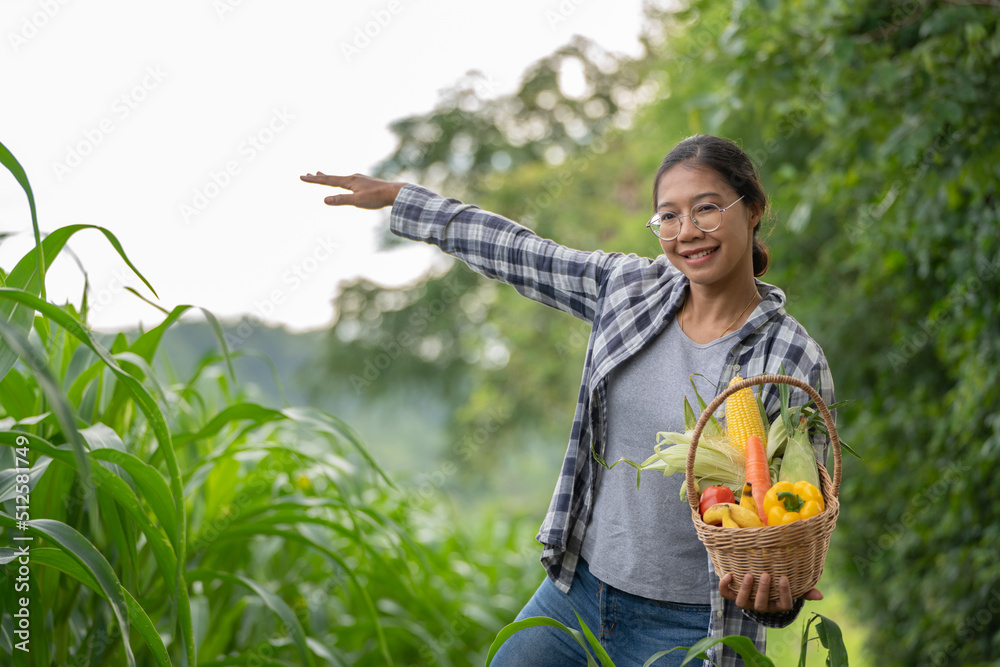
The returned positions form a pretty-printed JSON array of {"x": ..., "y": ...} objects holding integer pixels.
[
  {"x": 244, "y": 411},
  {"x": 690, "y": 419},
  {"x": 149, "y": 481},
  {"x": 77, "y": 546},
  {"x": 804, "y": 640},
  {"x": 712, "y": 426},
  {"x": 533, "y": 622},
  {"x": 16, "y": 396},
  {"x": 146, "y": 345},
  {"x": 123, "y": 539},
  {"x": 8, "y": 478},
  {"x": 107, "y": 482},
  {"x": 271, "y": 601},
  {"x": 250, "y": 660},
  {"x": 17, "y": 343},
  {"x": 112, "y": 485},
  {"x": 744, "y": 646},
  {"x": 594, "y": 643},
  {"x": 80, "y": 384},
  {"x": 784, "y": 396},
  {"x": 8, "y": 160},
  {"x": 39, "y": 650},
  {"x": 764, "y": 419},
  {"x": 244, "y": 531},
  {"x": 221, "y": 337},
  {"x": 26, "y": 277},
  {"x": 659, "y": 654},
  {"x": 61, "y": 561},
  {"x": 832, "y": 639},
  {"x": 321, "y": 422}
]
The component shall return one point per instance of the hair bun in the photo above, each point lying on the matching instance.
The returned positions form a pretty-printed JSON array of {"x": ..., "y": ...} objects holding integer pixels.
[{"x": 761, "y": 258}]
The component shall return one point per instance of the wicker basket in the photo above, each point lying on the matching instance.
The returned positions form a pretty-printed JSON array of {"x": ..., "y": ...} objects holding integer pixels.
[{"x": 796, "y": 550}]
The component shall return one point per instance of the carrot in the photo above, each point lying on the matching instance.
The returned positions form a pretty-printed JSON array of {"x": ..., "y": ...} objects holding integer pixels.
[{"x": 758, "y": 473}]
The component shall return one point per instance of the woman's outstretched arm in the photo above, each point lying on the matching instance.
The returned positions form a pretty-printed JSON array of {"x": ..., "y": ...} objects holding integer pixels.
[{"x": 560, "y": 277}]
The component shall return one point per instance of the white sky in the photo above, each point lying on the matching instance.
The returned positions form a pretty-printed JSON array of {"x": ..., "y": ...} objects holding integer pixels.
[{"x": 182, "y": 127}]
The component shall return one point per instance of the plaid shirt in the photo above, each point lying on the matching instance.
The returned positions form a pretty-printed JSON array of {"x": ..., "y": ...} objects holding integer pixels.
[{"x": 628, "y": 300}]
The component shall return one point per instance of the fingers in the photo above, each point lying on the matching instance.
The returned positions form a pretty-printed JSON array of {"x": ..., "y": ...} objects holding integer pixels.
[
  {"x": 339, "y": 200},
  {"x": 813, "y": 594},
  {"x": 333, "y": 181},
  {"x": 724, "y": 587},
  {"x": 784, "y": 594},
  {"x": 366, "y": 191},
  {"x": 346, "y": 182},
  {"x": 327, "y": 179},
  {"x": 761, "y": 602},
  {"x": 743, "y": 598}
]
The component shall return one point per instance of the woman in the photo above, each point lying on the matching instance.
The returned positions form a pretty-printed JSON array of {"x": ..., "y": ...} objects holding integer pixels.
[{"x": 642, "y": 585}]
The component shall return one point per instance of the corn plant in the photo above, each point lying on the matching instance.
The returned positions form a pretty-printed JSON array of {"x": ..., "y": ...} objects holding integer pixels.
[{"x": 149, "y": 519}]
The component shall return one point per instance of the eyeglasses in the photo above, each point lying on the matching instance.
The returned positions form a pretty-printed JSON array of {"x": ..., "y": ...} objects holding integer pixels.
[{"x": 706, "y": 216}]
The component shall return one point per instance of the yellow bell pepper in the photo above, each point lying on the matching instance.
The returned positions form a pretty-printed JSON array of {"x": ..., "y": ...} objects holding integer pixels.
[{"x": 786, "y": 502}]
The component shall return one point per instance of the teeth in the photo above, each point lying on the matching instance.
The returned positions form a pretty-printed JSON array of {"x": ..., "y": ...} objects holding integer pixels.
[{"x": 701, "y": 254}]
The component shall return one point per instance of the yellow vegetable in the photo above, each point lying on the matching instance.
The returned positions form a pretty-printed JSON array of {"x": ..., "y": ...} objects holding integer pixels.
[
  {"x": 786, "y": 502},
  {"x": 743, "y": 418}
]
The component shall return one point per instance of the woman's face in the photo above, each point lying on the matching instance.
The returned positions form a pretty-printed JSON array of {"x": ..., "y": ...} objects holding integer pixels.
[{"x": 712, "y": 259}]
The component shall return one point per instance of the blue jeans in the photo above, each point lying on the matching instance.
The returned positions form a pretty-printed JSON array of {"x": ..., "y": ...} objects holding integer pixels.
[{"x": 630, "y": 628}]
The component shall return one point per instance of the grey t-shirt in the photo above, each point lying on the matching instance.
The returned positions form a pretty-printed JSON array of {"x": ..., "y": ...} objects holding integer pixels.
[{"x": 642, "y": 541}]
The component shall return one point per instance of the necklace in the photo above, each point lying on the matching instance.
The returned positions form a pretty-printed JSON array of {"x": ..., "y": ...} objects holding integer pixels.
[{"x": 680, "y": 317}]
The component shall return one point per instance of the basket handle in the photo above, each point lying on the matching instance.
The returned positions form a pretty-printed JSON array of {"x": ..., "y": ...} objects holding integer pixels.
[{"x": 692, "y": 491}]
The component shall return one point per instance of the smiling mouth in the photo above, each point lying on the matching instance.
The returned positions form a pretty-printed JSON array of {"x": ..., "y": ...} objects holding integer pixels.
[{"x": 701, "y": 253}]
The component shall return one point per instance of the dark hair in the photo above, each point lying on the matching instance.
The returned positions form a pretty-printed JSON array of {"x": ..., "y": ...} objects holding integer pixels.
[{"x": 729, "y": 161}]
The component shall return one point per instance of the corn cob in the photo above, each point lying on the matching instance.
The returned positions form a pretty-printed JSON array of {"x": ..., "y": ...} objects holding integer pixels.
[{"x": 743, "y": 418}]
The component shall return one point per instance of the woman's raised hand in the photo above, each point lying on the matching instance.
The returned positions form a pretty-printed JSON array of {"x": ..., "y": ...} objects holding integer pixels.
[{"x": 366, "y": 192}]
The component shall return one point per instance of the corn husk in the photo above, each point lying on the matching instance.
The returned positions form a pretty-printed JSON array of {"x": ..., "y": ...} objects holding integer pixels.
[{"x": 716, "y": 463}]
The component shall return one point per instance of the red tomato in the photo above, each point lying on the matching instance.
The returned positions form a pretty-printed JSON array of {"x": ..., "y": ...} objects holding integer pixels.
[{"x": 716, "y": 494}]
